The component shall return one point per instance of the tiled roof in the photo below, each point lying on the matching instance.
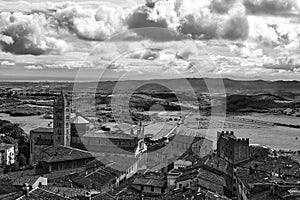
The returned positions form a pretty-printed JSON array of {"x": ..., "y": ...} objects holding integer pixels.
[
  {"x": 41, "y": 194},
  {"x": 211, "y": 177},
  {"x": 5, "y": 146},
  {"x": 119, "y": 163},
  {"x": 149, "y": 182},
  {"x": 113, "y": 149},
  {"x": 98, "y": 178},
  {"x": 11, "y": 196},
  {"x": 61, "y": 153},
  {"x": 70, "y": 192},
  {"x": 62, "y": 173},
  {"x": 42, "y": 130},
  {"x": 109, "y": 135},
  {"x": 183, "y": 130},
  {"x": 103, "y": 196},
  {"x": 21, "y": 177}
]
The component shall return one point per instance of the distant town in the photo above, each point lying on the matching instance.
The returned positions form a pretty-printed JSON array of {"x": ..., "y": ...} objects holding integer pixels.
[{"x": 59, "y": 150}]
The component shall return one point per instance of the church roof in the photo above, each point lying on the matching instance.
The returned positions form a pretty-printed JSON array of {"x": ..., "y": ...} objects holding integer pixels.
[
  {"x": 80, "y": 120},
  {"x": 61, "y": 153},
  {"x": 42, "y": 130}
]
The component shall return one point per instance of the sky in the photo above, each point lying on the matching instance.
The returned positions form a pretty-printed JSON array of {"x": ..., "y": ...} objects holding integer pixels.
[{"x": 135, "y": 39}]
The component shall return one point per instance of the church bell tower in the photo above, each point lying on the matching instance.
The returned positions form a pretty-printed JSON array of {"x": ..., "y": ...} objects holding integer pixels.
[{"x": 61, "y": 121}]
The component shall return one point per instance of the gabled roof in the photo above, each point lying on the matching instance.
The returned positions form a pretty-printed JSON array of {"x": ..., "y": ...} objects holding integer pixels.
[
  {"x": 42, "y": 130},
  {"x": 41, "y": 194},
  {"x": 149, "y": 182},
  {"x": 80, "y": 120},
  {"x": 59, "y": 153}
]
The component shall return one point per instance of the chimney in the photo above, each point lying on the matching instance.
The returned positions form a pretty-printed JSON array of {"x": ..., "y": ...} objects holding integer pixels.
[
  {"x": 88, "y": 195},
  {"x": 25, "y": 189}
]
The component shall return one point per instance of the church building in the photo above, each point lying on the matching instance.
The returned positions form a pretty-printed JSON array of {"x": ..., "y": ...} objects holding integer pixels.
[{"x": 75, "y": 132}]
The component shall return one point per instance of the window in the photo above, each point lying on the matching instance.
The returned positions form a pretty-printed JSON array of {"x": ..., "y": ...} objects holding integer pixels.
[
  {"x": 152, "y": 189},
  {"x": 142, "y": 188}
]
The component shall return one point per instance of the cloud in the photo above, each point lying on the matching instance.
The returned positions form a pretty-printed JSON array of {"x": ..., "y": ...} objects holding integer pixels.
[
  {"x": 246, "y": 50},
  {"x": 33, "y": 67},
  {"x": 283, "y": 62},
  {"x": 26, "y": 34},
  {"x": 222, "y": 6},
  {"x": 7, "y": 63},
  {"x": 62, "y": 65},
  {"x": 205, "y": 24},
  {"x": 144, "y": 54},
  {"x": 270, "y": 6},
  {"x": 91, "y": 24}
]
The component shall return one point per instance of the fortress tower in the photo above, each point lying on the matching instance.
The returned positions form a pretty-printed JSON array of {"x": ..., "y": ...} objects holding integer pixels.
[
  {"x": 61, "y": 121},
  {"x": 232, "y": 149}
]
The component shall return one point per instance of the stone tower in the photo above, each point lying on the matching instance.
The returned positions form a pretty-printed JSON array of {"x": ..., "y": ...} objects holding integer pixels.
[
  {"x": 232, "y": 149},
  {"x": 61, "y": 121}
]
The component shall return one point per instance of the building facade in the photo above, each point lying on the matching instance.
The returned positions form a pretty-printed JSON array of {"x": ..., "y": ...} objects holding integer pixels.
[
  {"x": 231, "y": 148},
  {"x": 7, "y": 154}
]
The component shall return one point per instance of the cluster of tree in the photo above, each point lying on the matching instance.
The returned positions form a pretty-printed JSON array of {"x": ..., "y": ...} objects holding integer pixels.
[
  {"x": 236, "y": 103},
  {"x": 288, "y": 125},
  {"x": 24, "y": 110},
  {"x": 13, "y": 134}
]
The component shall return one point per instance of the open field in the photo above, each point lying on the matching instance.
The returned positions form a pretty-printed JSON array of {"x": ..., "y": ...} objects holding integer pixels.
[
  {"x": 284, "y": 119},
  {"x": 272, "y": 136},
  {"x": 27, "y": 123},
  {"x": 275, "y": 137}
]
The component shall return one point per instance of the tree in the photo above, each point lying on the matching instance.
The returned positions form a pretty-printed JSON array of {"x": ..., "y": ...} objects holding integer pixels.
[
  {"x": 8, "y": 140},
  {"x": 22, "y": 160},
  {"x": 14, "y": 131}
]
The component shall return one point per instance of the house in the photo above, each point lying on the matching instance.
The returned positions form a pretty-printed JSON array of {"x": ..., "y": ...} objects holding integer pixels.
[
  {"x": 7, "y": 154},
  {"x": 196, "y": 176},
  {"x": 39, "y": 193},
  {"x": 19, "y": 178},
  {"x": 150, "y": 185},
  {"x": 106, "y": 172},
  {"x": 55, "y": 158}
]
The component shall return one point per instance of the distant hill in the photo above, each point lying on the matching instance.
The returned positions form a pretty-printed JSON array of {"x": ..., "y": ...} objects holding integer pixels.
[
  {"x": 257, "y": 103},
  {"x": 200, "y": 84},
  {"x": 280, "y": 88}
]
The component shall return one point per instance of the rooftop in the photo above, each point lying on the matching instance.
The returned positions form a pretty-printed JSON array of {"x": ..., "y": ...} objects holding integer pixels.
[
  {"x": 149, "y": 182},
  {"x": 42, "y": 130},
  {"x": 6, "y": 146},
  {"x": 41, "y": 194},
  {"x": 19, "y": 178},
  {"x": 70, "y": 192},
  {"x": 109, "y": 135},
  {"x": 61, "y": 153},
  {"x": 80, "y": 120}
]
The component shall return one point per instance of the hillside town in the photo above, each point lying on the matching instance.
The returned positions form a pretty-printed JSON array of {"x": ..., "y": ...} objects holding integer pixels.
[{"x": 76, "y": 160}]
